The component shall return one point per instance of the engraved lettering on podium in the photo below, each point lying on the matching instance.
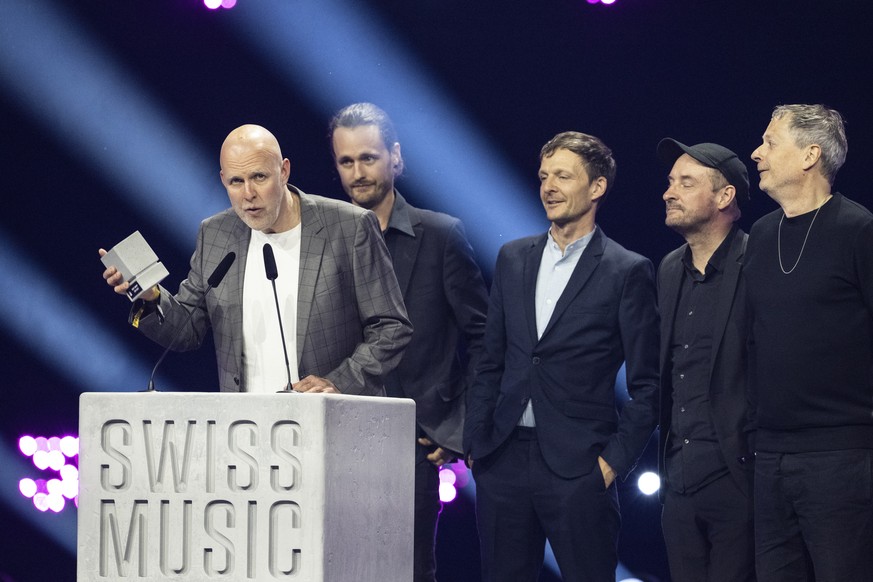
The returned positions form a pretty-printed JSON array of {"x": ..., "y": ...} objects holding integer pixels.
[{"x": 212, "y": 499}]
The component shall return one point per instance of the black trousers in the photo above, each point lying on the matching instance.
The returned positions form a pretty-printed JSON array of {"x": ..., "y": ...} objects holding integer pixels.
[
  {"x": 520, "y": 503},
  {"x": 427, "y": 514},
  {"x": 814, "y": 516},
  {"x": 709, "y": 533}
]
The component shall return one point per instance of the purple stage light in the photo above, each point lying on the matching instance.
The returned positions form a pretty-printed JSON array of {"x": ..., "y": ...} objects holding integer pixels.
[
  {"x": 56, "y": 460},
  {"x": 447, "y": 492},
  {"x": 69, "y": 473},
  {"x": 40, "y": 501},
  {"x": 27, "y": 486},
  {"x": 56, "y": 503},
  {"x": 447, "y": 484},
  {"x": 41, "y": 460},
  {"x": 70, "y": 489},
  {"x": 51, "y": 454},
  {"x": 212, "y": 4},
  {"x": 228, "y": 4},
  {"x": 448, "y": 475},
  {"x": 70, "y": 446},
  {"x": 27, "y": 445}
]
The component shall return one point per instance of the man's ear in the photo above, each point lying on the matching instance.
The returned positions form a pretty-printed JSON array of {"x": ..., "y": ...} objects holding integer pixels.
[
  {"x": 727, "y": 195},
  {"x": 598, "y": 188},
  {"x": 812, "y": 156},
  {"x": 396, "y": 159}
]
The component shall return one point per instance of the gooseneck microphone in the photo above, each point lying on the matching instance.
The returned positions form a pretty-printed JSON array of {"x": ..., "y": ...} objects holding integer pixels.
[
  {"x": 213, "y": 281},
  {"x": 272, "y": 273}
]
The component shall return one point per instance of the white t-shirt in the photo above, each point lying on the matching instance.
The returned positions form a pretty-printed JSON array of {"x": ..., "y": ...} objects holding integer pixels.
[{"x": 263, "y": 354}]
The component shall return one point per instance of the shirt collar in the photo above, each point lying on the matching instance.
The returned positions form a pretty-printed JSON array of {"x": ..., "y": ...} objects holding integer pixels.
[
  {"x": 399, "y": 219},
  {"x": 718, "y": 258},
  {"x": 577, "y": 246}
]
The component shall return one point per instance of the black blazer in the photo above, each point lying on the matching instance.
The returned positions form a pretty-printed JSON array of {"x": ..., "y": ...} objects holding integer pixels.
[
  {"x": 730, "y": 401},
  {"x": 607, "y": 314},
  {"x": 446, "y": 299}
]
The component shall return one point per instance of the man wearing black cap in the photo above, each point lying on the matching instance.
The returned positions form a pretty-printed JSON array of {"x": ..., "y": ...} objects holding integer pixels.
[{"x": 704, "y": 455}]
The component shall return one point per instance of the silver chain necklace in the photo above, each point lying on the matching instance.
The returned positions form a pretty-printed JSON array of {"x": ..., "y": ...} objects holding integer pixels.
[{"x": 803, "y": 246}]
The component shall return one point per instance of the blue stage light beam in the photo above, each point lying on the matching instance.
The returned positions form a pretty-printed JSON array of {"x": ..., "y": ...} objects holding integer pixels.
[
  {"x": 100, "y": 112},
  {"x": 77, "y": 348},
  {"x": 58, "y": 527},
  {"x": 337, "y": 52}
]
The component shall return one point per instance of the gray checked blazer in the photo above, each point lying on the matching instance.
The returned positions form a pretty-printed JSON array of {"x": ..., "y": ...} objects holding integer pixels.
[{"x": 352, "y": 325}]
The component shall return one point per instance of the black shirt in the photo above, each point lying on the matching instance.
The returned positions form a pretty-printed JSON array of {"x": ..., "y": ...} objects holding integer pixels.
[{"x": 694, "y": 457}]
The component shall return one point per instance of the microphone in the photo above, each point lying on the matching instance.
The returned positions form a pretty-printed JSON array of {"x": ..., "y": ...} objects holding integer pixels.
[
  {"x": 220, "y": 271},
  {"x": 272, "y": 273},
  {"x": 213, "y": 281},
  {"x": 270, "y": 263}
]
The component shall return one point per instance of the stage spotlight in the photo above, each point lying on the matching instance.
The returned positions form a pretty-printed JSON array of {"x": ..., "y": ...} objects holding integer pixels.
[
  {"x": 447, "y": 484},
  {"x": 41, "y": 460},
  {"x": 216, "y": 4},
  {"x": 27, "y": 486},
  {"x": 649, "y": 483},
  {"x": 70, "y": 446},
  {"x": 447, "y": 492},
  {"x": 56, "y": 460},
  {"x": 447, "y": 475},
  {"x": 27, "y": 445},
  {"x": 51, "y": 454}
]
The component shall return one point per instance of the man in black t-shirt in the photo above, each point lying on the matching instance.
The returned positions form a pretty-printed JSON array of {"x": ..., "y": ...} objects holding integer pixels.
[{"x": 809, "y": 270}]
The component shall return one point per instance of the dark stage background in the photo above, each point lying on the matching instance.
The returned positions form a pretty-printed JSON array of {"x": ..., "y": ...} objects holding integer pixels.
[{"x": 112, "y": 113}]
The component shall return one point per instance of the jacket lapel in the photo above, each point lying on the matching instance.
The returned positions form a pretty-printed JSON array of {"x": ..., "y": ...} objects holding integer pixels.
[
  {"x": 588, "y": 262},
  {"x": 231, "y": 287},
  {"x": 311, "y": 252},
  {"x": 728, "y": 289},
  {"x": 531, "y": 268},
  {"x": 406, "y": 247},
  {"x": 668, "y": 296}
]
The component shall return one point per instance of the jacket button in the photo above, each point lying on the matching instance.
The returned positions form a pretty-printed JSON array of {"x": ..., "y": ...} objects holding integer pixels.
[{"x": 536, "y": 360}]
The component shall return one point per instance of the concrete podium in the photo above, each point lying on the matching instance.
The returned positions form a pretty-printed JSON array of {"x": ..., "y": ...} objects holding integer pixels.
[{"x": 225, "y": 486}]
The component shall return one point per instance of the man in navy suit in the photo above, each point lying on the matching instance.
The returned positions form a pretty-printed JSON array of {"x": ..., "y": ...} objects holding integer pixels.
[
  {"x": 704, "y": 454},
  {"x": 445, "y": 297},
  {"x": 567, "y": 308}
]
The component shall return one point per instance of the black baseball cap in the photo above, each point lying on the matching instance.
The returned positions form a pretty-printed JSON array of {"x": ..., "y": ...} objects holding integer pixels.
[{"x": 710, "y": 155}]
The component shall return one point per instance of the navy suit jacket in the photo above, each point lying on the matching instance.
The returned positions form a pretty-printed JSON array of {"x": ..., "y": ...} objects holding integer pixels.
[
  {"x": 728, "y": 377},
  {"x": 606, "y": 315},
  {"x": 446, "y": 300}
]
